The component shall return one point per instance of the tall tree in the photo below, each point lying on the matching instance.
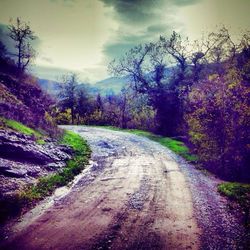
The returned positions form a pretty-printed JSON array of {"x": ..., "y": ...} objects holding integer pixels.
[
  {"x": 21, "y": 33},
  {"x": 99, "y": 103},
  {"x": 146, "y": 65},
  {"x": 68, "y": 94},
  {"x": 218, "y": 123},
  {"x": 82, "y": 104}
]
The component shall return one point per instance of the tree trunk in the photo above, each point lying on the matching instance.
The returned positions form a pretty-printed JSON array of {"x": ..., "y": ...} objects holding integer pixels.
[{"x": 72, "y": 116}]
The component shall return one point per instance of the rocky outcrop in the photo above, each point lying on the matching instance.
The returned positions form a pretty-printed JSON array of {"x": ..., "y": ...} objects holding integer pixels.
[
  {"x": 22, "y": 160},
  {"x": 16, "y": 146}
]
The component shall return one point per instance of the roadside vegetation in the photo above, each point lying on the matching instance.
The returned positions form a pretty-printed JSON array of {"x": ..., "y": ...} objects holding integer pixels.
[
  {"x": 176, "y": 146},
  {"x": 240, "y": 194},
  {"x": 19, "y": 127}
]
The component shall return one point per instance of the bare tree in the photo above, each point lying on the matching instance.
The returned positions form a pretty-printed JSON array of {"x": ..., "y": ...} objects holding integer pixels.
[
  {"x": 177, "y": 48},
  {"x": 146, "y": 65},
  {"x": 22, "y": 35}
]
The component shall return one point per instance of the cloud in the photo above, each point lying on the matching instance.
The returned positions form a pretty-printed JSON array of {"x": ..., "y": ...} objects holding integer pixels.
[
  {"x": 185, "y": 2},
  {"x": 122, "y": 43},
  {"x": 158, "y": 28},
  {"x": 51, "y": 73},
  {"x": 141, "y": 12},
  {"x": 141, "y": 21},
  {"x": 137, "y": 12},
  {"x": 86, "y": 75},
  {"x": 47, "y": 59},
  {"x": 67, "y": 3}
]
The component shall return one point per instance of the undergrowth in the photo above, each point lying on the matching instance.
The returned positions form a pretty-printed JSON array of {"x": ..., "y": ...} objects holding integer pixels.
[{"x": 239, "y": 193}]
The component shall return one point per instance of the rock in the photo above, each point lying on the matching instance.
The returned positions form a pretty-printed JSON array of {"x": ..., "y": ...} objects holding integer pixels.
[
  {"x": 104, "y": 144},
  {"x": 56, "y": 153},
  {"x": 22, "y": 160},
  {"x": 55, "y": 165},
  {"x": 66, "y": 149},
  {"x": 3, "y": 168},
  {"x": 33, "y": 172},
  {"x": 17, "y": 146},
  {"x": 15, "y": 173}
]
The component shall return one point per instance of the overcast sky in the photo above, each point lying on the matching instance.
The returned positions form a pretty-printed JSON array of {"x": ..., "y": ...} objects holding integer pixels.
[{"x": 84, "y": 35}]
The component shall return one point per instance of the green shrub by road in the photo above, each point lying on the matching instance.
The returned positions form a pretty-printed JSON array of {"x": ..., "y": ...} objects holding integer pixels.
[{"x": 239, "y": 193}]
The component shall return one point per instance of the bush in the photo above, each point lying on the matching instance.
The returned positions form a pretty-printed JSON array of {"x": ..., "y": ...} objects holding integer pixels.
[{"x": 218, "y": 124}]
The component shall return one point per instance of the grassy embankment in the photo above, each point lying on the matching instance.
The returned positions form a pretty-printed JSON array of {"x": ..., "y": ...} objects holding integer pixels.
[
  {"x": 46, "y": 185},
  {"x": 19, "y": 127}
]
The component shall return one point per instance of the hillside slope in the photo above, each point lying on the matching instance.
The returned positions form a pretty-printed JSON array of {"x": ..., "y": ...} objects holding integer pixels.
[
  {"x": 23, "y": 100},
  {"x": 36, "y": 156}
]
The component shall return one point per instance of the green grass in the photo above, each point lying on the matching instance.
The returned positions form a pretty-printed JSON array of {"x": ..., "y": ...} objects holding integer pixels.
[
  {"x": 75, "y": 141},
  {"x": 176, "y": 146},
  {"x": 239, "y": 193},
  {"x": 236, "y": 191},
  {"x": 19, "y": 127},
  {"x": 40, "y": 142},
  {"x": 46, "y": 185}
]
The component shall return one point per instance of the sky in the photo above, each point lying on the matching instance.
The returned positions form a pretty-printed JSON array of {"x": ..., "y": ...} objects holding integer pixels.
[{"x": 83, "y": 36}]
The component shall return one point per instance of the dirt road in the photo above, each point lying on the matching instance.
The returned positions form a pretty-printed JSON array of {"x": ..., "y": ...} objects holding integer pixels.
[{"x": 135, "y": 195}]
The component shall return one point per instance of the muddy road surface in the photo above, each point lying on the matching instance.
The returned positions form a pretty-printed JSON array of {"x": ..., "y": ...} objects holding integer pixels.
[{"x": 135, "y": 194}]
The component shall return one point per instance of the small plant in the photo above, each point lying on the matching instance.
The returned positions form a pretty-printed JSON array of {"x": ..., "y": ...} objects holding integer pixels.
[
  {"x": 40, "y": 142},
  {"x": 240, "y": 193}
]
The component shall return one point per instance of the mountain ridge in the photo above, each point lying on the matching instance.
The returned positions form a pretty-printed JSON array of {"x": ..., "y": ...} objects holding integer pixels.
[{"x": 108, "y": 86}]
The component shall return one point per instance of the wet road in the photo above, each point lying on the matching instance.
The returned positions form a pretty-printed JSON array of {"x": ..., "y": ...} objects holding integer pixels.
[{"x": 135, "y": 195}]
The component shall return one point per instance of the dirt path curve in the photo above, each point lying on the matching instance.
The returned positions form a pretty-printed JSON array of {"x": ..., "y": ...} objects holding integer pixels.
[{"x": 133, "y": 196}]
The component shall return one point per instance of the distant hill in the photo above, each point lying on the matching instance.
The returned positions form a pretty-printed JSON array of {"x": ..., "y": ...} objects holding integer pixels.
[
  {"x": 49, "y": 86},
  {"x": 112, "y": 85},
  {"x": 108, "y": 86}
]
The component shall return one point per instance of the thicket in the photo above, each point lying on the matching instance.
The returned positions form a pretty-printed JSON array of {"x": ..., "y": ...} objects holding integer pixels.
[{"x": 126, "y": 110}]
